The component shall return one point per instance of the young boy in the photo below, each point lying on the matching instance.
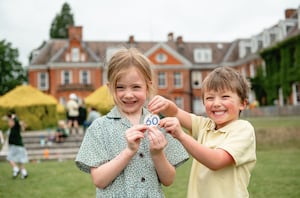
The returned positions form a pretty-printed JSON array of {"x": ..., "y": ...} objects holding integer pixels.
[{"x": 223, "y": 146}]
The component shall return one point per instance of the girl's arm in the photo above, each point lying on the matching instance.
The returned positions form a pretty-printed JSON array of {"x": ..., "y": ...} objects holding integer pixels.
[
  {"x": 103, "y": 175},
  {"x": 165, "y": 171}
]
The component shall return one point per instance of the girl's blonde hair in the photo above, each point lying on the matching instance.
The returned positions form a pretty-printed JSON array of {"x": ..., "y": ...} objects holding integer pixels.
[
  {"x": 226, "y": 78},
  {"x": 122, "y": 60}
]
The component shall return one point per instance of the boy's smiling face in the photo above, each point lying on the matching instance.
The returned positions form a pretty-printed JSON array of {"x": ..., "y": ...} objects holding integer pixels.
[{"x": 223, "y": 107}]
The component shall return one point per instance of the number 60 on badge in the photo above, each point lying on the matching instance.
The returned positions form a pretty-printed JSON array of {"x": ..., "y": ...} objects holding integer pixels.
[{"x": 151, "y": 120}]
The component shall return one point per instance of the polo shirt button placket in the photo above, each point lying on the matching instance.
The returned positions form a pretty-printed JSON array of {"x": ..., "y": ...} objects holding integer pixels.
[
  {"x": 141, "y": 155},
  {"x": 143, "y": 179}
]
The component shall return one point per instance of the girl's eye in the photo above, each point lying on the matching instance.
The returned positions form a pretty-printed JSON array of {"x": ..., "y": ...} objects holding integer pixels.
[
  {"x": 119, "y": 87},
  {"x": 225, "y": 96}
]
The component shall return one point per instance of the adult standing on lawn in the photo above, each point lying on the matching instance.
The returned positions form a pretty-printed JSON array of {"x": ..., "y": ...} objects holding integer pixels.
[
  {"x": 223, "y": 146},
  {"x": 17, "y": 154},
  {"x": 73, "y": 113},
  {"x": 125, "y": 157}
]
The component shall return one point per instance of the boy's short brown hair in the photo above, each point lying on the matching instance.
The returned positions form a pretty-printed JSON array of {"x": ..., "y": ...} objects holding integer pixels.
[{"x": 226, "y": 78}]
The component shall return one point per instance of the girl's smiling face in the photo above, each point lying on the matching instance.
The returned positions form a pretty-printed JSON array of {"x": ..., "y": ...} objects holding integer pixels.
[
  {"x": 131, "y": 92},
  {"x": 223, "y": 107}
]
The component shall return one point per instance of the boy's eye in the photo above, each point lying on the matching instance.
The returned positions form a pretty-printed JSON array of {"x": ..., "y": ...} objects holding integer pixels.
[
  {"x": 225, "y": 96},
  {"x": 209, "y": 98}
]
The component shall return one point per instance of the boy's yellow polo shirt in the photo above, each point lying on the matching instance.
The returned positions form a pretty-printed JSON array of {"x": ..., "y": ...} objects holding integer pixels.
[{"x": 238, "y": 139}]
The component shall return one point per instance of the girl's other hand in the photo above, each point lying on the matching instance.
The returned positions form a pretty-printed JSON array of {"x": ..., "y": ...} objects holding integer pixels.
[
  {"x": 133, "y": 136},
  {"x": 157, "y": 140}
]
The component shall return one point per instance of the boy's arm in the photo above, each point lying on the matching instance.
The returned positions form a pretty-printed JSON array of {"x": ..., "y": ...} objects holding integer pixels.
[{"x": 168, "y": 108}]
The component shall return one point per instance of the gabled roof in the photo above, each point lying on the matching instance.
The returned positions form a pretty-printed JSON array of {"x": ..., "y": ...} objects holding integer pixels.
[{"x": 171, "y": 51}]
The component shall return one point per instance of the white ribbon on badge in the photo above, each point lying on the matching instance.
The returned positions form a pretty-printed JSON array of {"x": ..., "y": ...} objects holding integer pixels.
[{"x": 151, "y": 120}]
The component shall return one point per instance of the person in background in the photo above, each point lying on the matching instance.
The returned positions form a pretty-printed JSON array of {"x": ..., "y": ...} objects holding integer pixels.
[
  {"x": 92, "y": 115},
  {"x": 125, "y": 157},
  {"x": 222, "y": 145},
  {"x": 82, "y": 113},
  {"x": 73, "y": 113},
  {"x": 61, "y": 132},
  {"x": 17, "y": 154}
]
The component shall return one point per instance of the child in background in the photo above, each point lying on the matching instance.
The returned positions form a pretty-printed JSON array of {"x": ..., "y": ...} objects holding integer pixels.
[
  {"x": 93, "y": 115},
  {"x": 17, "y": 154},
  {"x": 223, "y": 146},
  {"x": 61, "y": 132},
  {"x": 125, "y": 157}
]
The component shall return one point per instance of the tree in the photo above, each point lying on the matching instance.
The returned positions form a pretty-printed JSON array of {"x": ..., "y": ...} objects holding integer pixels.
[
  {"x": 11, "y": 71},
  {"x": 61, "y": 23}
]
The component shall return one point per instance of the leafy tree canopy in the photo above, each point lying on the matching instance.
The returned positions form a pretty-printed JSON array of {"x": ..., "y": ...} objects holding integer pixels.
[
  {"x": 61, "y": 22},
  {"x": 11, "y": 71}
]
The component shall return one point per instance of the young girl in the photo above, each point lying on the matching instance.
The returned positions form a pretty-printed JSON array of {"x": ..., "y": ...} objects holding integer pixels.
[
  {"x": 223, "y": 146},
  {"x": 125, "y": 157},
  {"x": 17, "y": 154}
]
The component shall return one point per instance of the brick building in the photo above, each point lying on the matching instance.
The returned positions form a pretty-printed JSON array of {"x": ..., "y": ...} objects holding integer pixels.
[{"x": 73, "y": 65}]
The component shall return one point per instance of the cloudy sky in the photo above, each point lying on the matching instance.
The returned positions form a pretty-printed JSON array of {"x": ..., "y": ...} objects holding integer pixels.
[{"x": 26, "y": 23}]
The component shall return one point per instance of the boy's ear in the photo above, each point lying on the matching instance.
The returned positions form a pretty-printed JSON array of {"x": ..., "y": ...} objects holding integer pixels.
[{"x": 244, "y": 104}]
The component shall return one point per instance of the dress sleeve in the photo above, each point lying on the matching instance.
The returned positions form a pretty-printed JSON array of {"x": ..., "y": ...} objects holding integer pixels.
[
  {"x": 175, "y": 152},
  {"x": 92, "y": 152}
]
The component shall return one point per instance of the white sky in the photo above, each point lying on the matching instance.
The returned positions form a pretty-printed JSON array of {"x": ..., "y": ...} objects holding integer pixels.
[{"x": 26, "y": 23}]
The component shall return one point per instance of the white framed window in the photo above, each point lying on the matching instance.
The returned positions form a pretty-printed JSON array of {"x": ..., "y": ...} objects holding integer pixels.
[
  {"x": 162, "y": 80},
  {"x": 83, "y": 57},
  {"x": 66, "y": 77},
  {"x": 68, "y": 57},
  {"x": 244, "y": 73},
  {"x": 177, "y": 79},
  {"x": 85, "y": 77},
  {"x": 179, "y": 102},
  {"x": 296, "y": 93},
  {"x": 196, "y": 79},
  {"x": 43, "y": 81},
  {"x": 252, "y": 71},
  {"x": 198, "y": 106},
  {"x": 161, "y": 58},
  {"x": 75, "y": 54},
  {"x": 110, "y": 52},
  {"x": 203, "y": 55}
]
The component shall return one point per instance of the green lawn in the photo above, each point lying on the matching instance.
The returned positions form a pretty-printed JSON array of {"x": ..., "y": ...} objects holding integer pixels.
[{"x": 277, "y": 173}]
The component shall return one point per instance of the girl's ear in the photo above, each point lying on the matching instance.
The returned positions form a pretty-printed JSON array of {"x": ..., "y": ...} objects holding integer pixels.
[{"x": 109, "y": 87}]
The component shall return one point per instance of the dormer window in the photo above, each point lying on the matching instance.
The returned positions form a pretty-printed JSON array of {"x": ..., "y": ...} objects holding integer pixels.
[
  {"x": 196, "y": 79},
  {"x": 203, "y": 55},
  {"x": 75, "y": 54},
  {"x": 110, "y": 52},
  {"x": 161, "y": 58}
]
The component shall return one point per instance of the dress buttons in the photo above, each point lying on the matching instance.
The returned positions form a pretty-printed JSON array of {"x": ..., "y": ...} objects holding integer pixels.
[
  {"x": 141, "y": 155},
  {"x": 143, "y": 179}
]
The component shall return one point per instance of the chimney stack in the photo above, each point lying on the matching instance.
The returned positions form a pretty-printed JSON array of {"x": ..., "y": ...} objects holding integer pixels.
[
  {"x": 75, "y": 33},
  {"x": 131, "y": 39},
  {"x": 289, "y": 13},
  {"x": 179, "y": 40},
  {"x": 171, "y": 36}
]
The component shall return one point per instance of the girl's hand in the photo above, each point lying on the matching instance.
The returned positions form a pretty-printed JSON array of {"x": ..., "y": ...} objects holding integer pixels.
[
  {"x": 157, "y": 140},
  {"x": 133, "y": 136},
  {"x": 172, "y": 126}
]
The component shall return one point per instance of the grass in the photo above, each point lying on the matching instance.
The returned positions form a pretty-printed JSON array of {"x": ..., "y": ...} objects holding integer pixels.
[{"x": 276, "y": 174}]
